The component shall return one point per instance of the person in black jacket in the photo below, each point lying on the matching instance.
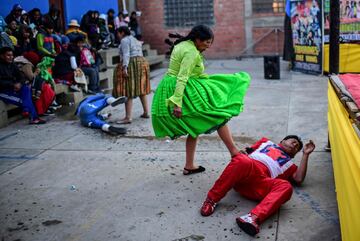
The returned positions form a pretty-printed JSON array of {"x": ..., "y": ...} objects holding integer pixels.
[
  {"x": 13, "y": 88},
  {"x": 54, "y": 17},
  {"x": 65, "y": 64},
  {"x": 14, "y": 15}
]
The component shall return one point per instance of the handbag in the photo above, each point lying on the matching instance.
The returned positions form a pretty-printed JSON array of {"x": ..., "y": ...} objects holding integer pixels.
[{"x": 80, "y": 78}]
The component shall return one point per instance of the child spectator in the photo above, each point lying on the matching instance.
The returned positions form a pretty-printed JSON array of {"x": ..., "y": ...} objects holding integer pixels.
[
  {"x": 87, "y": 63},
  {"x": 45, "y": 41}
]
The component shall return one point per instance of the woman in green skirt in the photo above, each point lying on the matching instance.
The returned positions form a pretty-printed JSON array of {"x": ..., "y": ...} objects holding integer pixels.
[{"x": 189, "y": 102}]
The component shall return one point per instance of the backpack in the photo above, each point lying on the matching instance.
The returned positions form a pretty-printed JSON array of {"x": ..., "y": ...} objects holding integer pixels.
[{"x": 86, "y": 58}]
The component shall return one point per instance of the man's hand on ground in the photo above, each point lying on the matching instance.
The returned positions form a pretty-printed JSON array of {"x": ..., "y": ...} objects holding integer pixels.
[{"x": 309, "y": 147}]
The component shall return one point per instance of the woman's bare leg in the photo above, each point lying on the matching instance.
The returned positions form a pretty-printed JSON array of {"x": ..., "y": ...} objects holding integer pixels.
[
  {"x": 190, "y": 152},
  {"x": 128, "y": 109},
  {"x": 226, "y": 137},
  {"x": 144, "y": 103}
]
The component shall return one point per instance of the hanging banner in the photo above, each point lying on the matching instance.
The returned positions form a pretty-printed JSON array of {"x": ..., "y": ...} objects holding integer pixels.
[
  {"x": 349, "y": 21},
  {"x": 307, "y": 33}
]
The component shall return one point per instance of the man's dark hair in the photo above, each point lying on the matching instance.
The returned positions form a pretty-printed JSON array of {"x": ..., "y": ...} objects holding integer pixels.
[
  {"x": 3, "y": 50},
  {"x": 125, "y": 30},
  {"x": 296, "y": 138},
  {"x": 78, "y": 39},
  {"x": 49, "y": 25}
]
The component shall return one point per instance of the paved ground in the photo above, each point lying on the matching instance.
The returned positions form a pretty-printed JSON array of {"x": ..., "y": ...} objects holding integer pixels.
[{"x": 61, "y": 181}]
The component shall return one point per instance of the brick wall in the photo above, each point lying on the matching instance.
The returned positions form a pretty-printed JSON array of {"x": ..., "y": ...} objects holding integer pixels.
[
  {"x": 228, "y": 28},
  {"x": 270, "y": 44}
]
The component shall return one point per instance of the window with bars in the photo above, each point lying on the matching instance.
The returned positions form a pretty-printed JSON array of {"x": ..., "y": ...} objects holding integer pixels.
[
  {"x": 268, "y": 6},
  {"x": 188, "y": 13}
]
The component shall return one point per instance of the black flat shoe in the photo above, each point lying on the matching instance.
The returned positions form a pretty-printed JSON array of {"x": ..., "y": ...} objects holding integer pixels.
[{"x": 193, "y": 171}]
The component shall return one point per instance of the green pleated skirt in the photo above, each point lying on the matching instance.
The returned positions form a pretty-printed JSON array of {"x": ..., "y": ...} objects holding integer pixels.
[{"x": 208, "y": 103}]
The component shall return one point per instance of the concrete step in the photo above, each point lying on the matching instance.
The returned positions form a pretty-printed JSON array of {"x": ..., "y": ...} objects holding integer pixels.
[
  {"x": 146, "y": 47},
  {"x": 70, "y": 98},
  {"x": 155, "y": 59},
  {"x": 5, "y": 119},
  {"x": 152, "y": 52}
]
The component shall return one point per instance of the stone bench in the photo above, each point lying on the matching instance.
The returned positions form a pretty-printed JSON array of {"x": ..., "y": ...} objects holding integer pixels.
[{"x": 4, "y": 113}]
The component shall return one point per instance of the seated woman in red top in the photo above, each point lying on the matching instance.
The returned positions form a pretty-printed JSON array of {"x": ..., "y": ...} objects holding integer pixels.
[{"x": 263, "y": 173}]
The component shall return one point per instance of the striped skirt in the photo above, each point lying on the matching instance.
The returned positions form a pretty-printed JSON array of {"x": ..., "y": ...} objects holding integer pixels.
[{"x": 138, "y": 81}]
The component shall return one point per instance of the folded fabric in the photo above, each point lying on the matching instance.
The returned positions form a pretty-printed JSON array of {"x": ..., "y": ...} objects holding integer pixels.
[{"x": 352, "y": 84}]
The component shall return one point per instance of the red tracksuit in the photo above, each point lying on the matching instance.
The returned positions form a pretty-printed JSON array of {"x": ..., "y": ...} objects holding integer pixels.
[{"x": 253, "y": 179}]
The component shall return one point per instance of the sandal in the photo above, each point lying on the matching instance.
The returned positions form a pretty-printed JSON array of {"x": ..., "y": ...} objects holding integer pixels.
[
  {"x": 145, "y": 115},
  {"x": 193, "y": 171},
  {"x": 124, "y": 122}
]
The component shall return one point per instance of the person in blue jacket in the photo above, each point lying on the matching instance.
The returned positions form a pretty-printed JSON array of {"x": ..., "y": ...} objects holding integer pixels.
[{"x": 89, "y": 108}]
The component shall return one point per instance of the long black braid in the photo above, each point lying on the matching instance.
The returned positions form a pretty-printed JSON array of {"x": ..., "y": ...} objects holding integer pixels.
[{"x": 200, "y": 32}]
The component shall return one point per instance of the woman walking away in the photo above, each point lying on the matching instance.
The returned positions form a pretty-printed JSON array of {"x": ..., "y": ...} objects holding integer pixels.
[
  {"x": 189, "y": 102},
  {"x": 132, "y": 74}
]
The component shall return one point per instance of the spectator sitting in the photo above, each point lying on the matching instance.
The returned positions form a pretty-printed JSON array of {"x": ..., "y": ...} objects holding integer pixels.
[
  {"x": 14, "y": 15},
  {"x": 85, "y": 21},
  {"x": 26, "y": 64},
  {"x": 24, "y": 18},
  {"x": 105, "y": 36},
  {"x": 53, "y": 16},
  {"x": 120, "y": 21},
  {"x": 35, "y": 17},
  {"x": 26, "y": 42},
  {"x": 87, "y": 63},
  {"x": 111, "y": 20},
  {"x": 65, "y": 64},
  {"x": 42, "y": 93},
  {"x": 2, "y": 24},
  {"x": 74, "y": 31},
  {"x": 45, "y": 41},
  {"x": 134, "y": 26},
  {"x": 11, "y": 28},
  {"x": 89, "y": 25},
  {"x": 13, "y": 89}
]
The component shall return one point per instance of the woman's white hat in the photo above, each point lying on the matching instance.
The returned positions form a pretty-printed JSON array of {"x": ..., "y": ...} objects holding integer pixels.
[{"x": 73, "y": 23}]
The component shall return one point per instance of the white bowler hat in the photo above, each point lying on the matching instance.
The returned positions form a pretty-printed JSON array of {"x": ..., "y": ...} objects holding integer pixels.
[{"x": 73, "y": 23}]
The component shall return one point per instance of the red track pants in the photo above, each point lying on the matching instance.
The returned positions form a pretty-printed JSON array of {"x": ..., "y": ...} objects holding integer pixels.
[
  {"x": 252, "y": 180},
  {"x": 46, "y": 98}
]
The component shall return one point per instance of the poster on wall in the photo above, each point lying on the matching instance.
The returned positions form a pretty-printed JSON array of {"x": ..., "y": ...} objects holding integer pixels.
[
  {"x": 349, "y": 21},
  {"x": 307, "y": 33}
]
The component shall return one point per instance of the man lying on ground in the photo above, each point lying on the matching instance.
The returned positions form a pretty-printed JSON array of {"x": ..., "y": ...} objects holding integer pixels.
[
  {"x": 89, "y": 112},
  {"x": 263, "y": 173}
]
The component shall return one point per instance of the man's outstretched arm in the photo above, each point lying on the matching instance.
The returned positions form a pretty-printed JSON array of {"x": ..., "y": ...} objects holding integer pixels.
[{"x": 299, "y": 176}]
